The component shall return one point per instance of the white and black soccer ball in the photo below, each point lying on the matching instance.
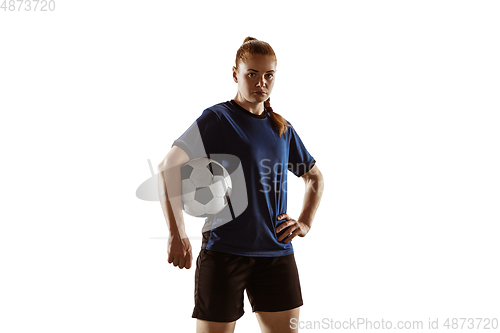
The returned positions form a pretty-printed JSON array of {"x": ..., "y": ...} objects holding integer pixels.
[{"x": 206, "y": 187}]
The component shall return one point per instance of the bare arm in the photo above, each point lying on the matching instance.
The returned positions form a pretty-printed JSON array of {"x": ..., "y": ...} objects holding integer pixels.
[
  {"x": 169, "y": 173},
  {"x": 169, "y": 190},
  {"x": 314, "y": 190}
]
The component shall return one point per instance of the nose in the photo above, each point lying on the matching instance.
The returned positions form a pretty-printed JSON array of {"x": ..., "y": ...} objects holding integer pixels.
[{"x": 261, "y": 82}]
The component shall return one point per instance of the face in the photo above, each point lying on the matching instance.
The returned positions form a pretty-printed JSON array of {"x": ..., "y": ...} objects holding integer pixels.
[{"x": 255, "y": 76}]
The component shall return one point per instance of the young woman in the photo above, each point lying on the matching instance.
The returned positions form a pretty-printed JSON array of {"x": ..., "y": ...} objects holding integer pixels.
[{"x": 251, "y": 251}]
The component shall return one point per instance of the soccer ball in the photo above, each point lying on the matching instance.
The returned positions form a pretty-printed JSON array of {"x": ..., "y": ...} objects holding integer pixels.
[{"x": 206, "y": 187}]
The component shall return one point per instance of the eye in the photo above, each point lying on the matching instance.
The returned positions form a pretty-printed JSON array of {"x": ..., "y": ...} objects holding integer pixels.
[
  {"x": 250, "y": 74},
  {"x": 270, "y": 75}
]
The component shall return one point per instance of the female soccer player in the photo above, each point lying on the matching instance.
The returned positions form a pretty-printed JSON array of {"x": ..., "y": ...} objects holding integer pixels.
[{"x": 251, "y": 251}]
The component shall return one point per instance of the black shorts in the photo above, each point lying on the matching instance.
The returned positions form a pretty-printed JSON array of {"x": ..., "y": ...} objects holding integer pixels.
[{"x": 272, "y": 284}]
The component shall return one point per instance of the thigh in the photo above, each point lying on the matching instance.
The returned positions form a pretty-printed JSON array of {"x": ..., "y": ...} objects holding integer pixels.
[
  {"x": 220, "y": 281},
  {"x": 274, "y": 285},
  {"x": 278, "y": 322},
  {"x": 204, "y": 326}
]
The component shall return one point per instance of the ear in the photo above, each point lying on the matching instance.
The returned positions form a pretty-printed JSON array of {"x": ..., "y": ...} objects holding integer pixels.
[{"x": 235, "y": 78}]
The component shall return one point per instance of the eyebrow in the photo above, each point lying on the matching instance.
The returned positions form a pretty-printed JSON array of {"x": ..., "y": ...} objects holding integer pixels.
[{"x": 272, "y": 70}]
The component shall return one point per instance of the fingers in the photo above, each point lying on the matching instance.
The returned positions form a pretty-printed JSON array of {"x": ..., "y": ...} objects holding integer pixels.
[
  {"x": 170, "y": 258},
  {"x": 294, "y": 228},
  {"x": 188, "y": 263},
  {"x": 284, "y": 216},
  {"x": 290, "y": 237},
  {"x": 189, "y": 259},
  {"x": 181, "y": 261},
  {"x": 282, "y": 237},
  {"x": 298, "y": 229},
  {"x": 289, "y": 221},
  {"x": 179, "y": 252},
  {"x": 185, "y": 262}
]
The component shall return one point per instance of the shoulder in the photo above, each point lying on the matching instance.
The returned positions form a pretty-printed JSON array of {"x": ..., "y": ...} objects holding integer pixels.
[
  {"x": 290, "y": 126},
  {"x": 286, "y": 120},
  {"x": 209, "y": 116},
  {"x": 291, "y": 131},
  {"x": 217, "y": 110}
]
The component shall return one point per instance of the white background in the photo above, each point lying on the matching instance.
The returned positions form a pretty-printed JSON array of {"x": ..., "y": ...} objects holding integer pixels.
[{"x": 398, "y": 101}]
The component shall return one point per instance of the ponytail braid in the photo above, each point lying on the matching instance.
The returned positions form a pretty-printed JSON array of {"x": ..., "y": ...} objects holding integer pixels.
[{"x": 278, "y": 121}]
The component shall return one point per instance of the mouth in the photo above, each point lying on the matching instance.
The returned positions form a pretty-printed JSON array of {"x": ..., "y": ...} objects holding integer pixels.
[{"x": 259, "y": 92}]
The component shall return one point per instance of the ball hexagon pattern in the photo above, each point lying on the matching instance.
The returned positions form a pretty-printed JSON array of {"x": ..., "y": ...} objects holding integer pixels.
[{"x": 206, "y": 187}]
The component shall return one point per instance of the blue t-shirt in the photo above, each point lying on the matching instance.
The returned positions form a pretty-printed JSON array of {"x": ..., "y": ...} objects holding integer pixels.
[{"x": 265, "y": 158}]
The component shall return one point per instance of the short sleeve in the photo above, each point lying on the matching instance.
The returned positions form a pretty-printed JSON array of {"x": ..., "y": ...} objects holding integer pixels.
[
  {"x": 201, "y": 138},
  {"x": 299, "y": 159}
]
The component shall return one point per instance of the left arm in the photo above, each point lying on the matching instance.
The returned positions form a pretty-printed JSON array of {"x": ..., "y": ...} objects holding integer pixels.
[{"x": 314, "y": 190}]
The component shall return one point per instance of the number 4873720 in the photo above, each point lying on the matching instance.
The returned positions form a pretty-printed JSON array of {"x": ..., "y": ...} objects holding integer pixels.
[{"x": 471, "y": 323}]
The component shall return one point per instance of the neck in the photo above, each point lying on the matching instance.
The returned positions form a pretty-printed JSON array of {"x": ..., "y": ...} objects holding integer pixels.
[{"x": 255, "y": 108}]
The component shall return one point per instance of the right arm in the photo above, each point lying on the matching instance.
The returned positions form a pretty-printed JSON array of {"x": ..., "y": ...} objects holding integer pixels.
[{"x": 169, "y": 190}]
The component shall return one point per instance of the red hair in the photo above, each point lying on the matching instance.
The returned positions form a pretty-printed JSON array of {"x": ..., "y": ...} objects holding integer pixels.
[{"x": 250, "y": 47}]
